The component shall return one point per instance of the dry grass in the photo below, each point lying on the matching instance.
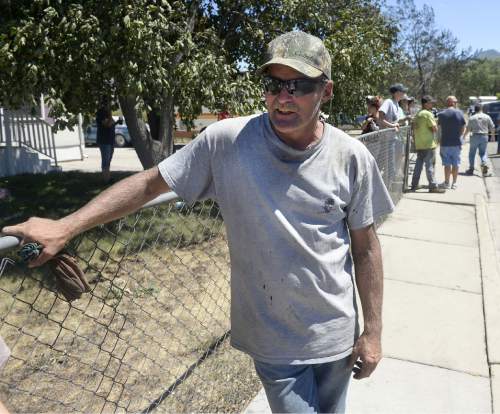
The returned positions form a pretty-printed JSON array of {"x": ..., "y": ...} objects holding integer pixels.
[{"x": 154, "y": 310}]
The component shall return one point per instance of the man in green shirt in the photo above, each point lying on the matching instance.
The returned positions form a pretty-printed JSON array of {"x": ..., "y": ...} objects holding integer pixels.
[{"x": 425, "y": 127}]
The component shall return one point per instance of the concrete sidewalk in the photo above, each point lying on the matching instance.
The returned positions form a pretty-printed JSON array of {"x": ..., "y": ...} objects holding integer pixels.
[
  {"x": 441, "y": 334},
  {"x": 124, "y": 159}
]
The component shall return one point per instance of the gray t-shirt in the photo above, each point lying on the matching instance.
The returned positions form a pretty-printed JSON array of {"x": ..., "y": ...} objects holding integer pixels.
[
  {"x": 287, "y": 214},
  {"x": 480, "y": 123},
  {"x": 390, "y": 108}
]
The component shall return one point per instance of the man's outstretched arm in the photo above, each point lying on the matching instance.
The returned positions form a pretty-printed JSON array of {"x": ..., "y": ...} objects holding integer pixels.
[
  {"x": 367, "y": 256},
  {"x": 122, "y": 198}
]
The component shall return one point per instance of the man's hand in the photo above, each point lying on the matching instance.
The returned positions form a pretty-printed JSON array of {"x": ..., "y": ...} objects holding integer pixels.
[
  {"x": 366, "y": 354},
  {"x": 51, "y": 234}
]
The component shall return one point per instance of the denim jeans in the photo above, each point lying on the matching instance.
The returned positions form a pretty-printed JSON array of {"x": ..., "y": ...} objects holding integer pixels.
[
  {"x": 427, "y": 157},
  {"x": 478, "y": 142},
  {"x": 106, "y": 156},
  {"x": 310, "y": 388}
]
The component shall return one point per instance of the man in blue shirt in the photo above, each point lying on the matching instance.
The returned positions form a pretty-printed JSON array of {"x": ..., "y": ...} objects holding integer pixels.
[{"x": 452, "y": 123}]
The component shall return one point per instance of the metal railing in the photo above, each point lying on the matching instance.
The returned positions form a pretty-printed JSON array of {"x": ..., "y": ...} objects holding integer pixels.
[
  {"x": 18, "y": 129},
  {"x": 153, "y": 331}
]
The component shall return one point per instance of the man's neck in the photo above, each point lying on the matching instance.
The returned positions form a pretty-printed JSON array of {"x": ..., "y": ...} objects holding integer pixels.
[{"x": 301, "y": 141}]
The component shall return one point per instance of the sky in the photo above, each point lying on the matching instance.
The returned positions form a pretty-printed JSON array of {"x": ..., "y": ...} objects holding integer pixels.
[{"x": 476, "y": 23}]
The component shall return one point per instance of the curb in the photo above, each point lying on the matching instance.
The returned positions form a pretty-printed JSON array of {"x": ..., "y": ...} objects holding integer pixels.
[{"x": 490, "y": 276}]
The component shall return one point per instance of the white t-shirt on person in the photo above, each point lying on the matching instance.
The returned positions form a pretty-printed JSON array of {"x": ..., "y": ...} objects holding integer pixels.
[
  {"x": 480, "y": 123},
  {"x": 390, "y": 108},
  {"x": 287, "y": 213}
]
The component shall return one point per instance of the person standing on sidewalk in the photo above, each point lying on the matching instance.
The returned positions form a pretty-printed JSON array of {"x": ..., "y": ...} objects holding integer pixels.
[
  {"x": 452, "y": 123},
  {"x": 389, "y": 111},
  {"x": 479, "y": 125},
  {"x": 105, "y": 137},
  {"x": 299, "y": 199},
  {"x": 389, "y": 114},
  {"x": 425, "y": 129}
]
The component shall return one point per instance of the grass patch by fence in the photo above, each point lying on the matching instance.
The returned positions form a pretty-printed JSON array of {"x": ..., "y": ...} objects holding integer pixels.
[{"x": 49, "y": 195}]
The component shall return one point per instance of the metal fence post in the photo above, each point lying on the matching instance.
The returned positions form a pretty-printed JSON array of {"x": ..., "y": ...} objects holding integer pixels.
[
  {"x": 52, "y": 138},
  {"x": 81, "y": 136},
  {"x": 7, "y": 133},
  {"x": 407, "y": 159}
]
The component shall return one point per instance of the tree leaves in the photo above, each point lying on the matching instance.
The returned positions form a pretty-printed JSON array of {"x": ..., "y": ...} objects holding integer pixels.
[
  {"x": 424, "y": 48},
  {"x": 189, "y": 52}
]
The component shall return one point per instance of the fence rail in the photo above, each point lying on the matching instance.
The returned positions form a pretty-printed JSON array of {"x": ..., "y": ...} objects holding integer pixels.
[{"x": 152, "y": 333}]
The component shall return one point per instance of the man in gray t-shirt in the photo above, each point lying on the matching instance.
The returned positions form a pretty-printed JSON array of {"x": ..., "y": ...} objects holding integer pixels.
[{"x": 299, "y": 199}]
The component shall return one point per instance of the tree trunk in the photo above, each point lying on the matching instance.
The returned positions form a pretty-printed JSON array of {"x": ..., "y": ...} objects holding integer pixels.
[
  {"x": 154, "y": 124},
  {"x": 167, "y": 122},
  {"x": 144, "y": 146},
  {"x": 421, "y": 78},
  {"x": 150, "y": 151}
]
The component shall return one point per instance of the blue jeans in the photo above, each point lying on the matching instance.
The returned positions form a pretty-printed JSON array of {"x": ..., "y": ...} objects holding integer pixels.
[
  {"x": 427, "y": 157},
  {"x": 478, "y": 142},
  {"x": 106, "y": 155},
  {"x": 310, "y": 388}
]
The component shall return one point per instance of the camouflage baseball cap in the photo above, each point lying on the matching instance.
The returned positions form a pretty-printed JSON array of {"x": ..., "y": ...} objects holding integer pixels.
[{"x": 300, "y": 51}]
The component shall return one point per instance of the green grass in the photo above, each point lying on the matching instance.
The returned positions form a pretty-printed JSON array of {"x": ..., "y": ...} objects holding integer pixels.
[
  {"x": 51, "y": 195},
  {"x": 58, "y": 194}
]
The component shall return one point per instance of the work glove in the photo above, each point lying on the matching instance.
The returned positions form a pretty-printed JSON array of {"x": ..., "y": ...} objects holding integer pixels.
[{"x": 70, "y": 280}]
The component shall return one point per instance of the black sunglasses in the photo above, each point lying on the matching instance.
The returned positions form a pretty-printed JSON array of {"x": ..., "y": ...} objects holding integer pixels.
[{"x": 295, "y": 87}]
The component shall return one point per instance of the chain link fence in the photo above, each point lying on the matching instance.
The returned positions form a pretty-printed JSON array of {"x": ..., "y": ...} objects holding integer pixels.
[
  {"x": 152, "y": 332},
  {"x": 391, "y": 150}
]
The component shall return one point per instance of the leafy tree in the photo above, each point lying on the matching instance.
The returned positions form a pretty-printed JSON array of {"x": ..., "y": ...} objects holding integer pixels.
[
  {"x": 166, "y": 56},
  {"x": 479, "y": 77},
  {"x": 424, "y": 49},
  {"x": 150, "y": 55},
  {"x": 356, "y": 33},
  {"x": 449, "y": 78}
]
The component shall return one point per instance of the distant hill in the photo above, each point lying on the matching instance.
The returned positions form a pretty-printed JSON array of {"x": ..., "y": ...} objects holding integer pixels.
[{"x": 487, "y": 54}]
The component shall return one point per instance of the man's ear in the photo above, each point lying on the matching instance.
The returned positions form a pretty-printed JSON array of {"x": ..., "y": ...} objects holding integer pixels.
[{"x": 327, "y": 92}]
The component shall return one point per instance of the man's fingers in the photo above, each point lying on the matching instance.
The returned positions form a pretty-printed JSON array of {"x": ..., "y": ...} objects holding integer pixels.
[
  {"x": 17, "y": 231},
  {"x": 13, "y": 230},
  {"x": 356, "y": 369},
  {"x": 363, "y": 369}
]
